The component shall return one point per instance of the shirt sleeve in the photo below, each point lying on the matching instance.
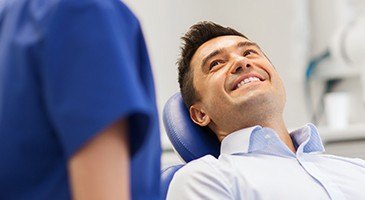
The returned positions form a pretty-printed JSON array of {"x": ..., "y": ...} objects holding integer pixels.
[
  {"x": 94, "y": 71},
  {"x": 201, "y": 179}
]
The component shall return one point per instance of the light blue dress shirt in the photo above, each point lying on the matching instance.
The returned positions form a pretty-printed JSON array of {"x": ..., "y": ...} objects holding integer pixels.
[{"x": 255, "y": 164}]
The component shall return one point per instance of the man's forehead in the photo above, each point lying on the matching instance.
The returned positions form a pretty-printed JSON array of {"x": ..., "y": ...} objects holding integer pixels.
[{"x": 218, "y": 43}]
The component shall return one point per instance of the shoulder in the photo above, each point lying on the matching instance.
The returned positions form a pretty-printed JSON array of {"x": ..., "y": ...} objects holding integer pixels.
[
  {"x": 203, "y": 172},
  {"x": 201, "y": 179},
  {"x": 206, "y": 165},
  {"x": 110, "y": 6},
  {"x": 46, "y": 10},
  {"x": 355, "y": 161}
]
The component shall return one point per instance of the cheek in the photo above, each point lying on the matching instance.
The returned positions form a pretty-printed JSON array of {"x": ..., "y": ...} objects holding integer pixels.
[
  {"x": 275, "y": 77},
  {"x": 283, "y": 90},
  {"x": 277, "y": 82},
  {"x": 279, "y": 85},
  {"x": 215, "y": 84},
  {"x": 214, "y": 94}
]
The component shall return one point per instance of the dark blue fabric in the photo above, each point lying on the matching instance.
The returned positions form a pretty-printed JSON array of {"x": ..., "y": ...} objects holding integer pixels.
[
  {"x": 68, "y": 69},
  {"x": 189, "y": 140}
]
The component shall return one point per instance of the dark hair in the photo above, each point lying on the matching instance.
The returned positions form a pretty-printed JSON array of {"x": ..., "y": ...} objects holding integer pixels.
[{"x": 197, "y": 35}]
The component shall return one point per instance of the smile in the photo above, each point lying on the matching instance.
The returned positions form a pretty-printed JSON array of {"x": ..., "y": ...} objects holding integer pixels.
[{"x": 247, "y": 80}]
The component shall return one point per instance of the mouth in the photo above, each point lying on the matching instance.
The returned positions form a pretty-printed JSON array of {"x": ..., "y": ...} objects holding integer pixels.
[{"x": 246, "y": 79}]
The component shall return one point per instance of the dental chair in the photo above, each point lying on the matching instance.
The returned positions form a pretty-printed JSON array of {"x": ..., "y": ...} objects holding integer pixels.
[{"x": 189, "y": 140}]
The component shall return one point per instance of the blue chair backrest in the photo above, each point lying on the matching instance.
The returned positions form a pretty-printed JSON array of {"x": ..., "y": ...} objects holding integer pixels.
[{"x": 189, "y": 140}]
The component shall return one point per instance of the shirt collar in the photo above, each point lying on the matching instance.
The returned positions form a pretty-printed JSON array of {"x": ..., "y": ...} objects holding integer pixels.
[
  {"x": 238, "y": 141},
  {"x": 307, "y": 139},
  {"x": 256, "y": 138}
]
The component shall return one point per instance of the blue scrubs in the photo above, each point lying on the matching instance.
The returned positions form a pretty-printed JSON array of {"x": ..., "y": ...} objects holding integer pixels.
[{"x": 68, "y": 69}]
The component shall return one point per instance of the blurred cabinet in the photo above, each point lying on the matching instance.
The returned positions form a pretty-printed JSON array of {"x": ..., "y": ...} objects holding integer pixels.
[
  {"x": 347, "y": 148},
  {"x": 349, "y": 141}
]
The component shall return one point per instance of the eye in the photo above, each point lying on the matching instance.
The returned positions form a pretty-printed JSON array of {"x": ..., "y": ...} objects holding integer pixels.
[
  {"x": 249, "y": 52},
  {"x": 215, "y": 63}
]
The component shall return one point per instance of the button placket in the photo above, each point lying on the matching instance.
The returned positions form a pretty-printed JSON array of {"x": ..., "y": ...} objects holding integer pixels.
[{"x": 331, "y": 188}]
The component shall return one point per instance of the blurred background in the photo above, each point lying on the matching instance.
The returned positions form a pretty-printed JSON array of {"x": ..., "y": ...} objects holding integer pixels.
[{"x": 318, "y": 47}]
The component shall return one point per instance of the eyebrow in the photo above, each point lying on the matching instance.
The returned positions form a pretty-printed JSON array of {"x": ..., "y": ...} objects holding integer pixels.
[
  {"x": 219, "y": 51},
  {"x": 247, "y": 43},
  {"x": 214, "y": 53}
]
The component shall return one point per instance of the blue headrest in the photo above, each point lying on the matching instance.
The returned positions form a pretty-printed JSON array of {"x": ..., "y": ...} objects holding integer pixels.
[{"x": 189, "y": 140}]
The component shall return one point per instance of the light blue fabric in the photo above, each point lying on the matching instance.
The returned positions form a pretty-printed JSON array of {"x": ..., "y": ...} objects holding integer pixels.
[
  {"x": 266, "y": 141},
  {"x": 255, "y": 164}
]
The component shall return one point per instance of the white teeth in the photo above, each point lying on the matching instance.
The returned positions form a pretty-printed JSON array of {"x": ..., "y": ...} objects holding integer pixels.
[{"x": 247, "y": 80}]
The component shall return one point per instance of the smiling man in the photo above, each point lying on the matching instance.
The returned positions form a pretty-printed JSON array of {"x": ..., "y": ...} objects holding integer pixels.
[{"x": 230, "y": 86}]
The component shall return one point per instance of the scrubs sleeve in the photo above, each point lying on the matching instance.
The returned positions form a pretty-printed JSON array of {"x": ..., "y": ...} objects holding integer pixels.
[{"x": 95, "y": 71}]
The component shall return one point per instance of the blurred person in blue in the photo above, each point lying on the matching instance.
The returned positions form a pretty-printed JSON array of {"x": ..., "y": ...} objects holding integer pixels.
[
  {"x": 230, "y": 86},
  {"x": 78, "y": 117}
]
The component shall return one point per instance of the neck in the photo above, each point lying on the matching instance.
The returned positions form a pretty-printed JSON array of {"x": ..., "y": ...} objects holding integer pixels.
[
  {"x": 277, "y": 124},
  {"x": 279, "y": 127}
]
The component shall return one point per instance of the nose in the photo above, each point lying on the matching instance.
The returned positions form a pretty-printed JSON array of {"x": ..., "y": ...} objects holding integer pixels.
[{"x": 240, "y": 64}]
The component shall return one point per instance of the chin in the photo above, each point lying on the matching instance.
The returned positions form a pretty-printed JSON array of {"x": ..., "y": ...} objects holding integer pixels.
[
  {"x": 260, "y": 102},
  {"x": 254, "y": 97}
]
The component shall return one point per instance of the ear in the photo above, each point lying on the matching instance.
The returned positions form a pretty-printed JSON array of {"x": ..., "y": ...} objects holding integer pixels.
[{"x": 199, "y": 116}]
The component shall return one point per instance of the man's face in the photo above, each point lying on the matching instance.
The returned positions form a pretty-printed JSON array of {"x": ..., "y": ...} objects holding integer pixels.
[{"x": 237, "y": 85}]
